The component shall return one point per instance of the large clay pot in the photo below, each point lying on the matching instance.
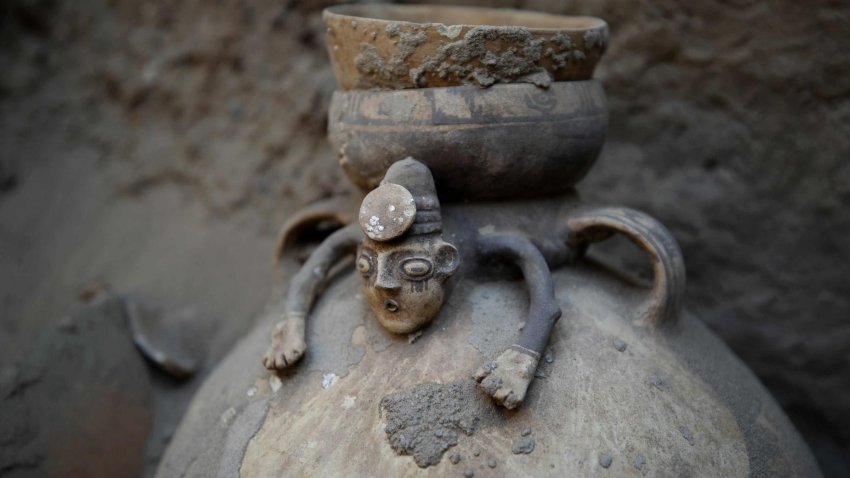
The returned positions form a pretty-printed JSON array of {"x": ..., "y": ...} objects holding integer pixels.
[
  {"x": 615, "y": 394},
  {"x": 612, "y": 398}
]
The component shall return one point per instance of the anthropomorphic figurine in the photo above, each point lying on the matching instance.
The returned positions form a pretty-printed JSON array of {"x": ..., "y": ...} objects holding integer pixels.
[
  {"x": 403, "y": 259},
  {"x": 406, "y": 264}
]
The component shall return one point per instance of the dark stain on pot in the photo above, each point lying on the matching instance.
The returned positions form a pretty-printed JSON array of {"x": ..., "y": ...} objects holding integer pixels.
[
  {"x": 620, "y": 345},
  {"x": 523, "y": 445},
  {"x": 687, "y": 435},
  {"x": 658, "y": 381},
  {"x": 426, "y": 420}
]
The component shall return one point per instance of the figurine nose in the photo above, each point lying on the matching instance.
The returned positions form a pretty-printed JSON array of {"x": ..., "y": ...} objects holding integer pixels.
[{"x": 387, "y": 282}]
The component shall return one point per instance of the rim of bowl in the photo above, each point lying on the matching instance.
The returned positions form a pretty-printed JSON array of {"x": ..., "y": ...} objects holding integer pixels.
[{"x": 441, "y": 15}]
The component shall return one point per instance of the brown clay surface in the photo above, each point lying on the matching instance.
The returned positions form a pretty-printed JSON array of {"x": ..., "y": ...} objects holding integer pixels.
[{"x": 393, "y": 47}]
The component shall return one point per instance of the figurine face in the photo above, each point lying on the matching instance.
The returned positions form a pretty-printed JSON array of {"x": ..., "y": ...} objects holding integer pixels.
[{"x": 404, "y": 281}]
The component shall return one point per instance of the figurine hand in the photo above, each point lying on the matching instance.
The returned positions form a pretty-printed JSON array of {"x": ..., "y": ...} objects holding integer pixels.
[
  {"x": 507, "y": 379},
  {"x": 287, "y": 345}
]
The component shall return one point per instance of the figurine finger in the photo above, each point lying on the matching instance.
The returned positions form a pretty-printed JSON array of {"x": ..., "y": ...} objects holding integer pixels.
[
  {"x": 280, "y": 362},
  {"x": 503, "y": 395},
  {"x": 484, "y": 371},
  {"x": 512, "y": 401},
  {"x": 293, "y": 356},
  {"x": 268, "y": 359},
  {"x": 491, "y": 385}
]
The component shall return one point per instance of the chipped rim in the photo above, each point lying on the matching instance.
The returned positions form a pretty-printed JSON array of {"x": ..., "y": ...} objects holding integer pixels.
[
  {"x": 368, "y": 13},
  {"x": 414, "y": 66}
]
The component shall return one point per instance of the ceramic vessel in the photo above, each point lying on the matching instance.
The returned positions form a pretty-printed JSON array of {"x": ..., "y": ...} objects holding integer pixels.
[
  {"x": 506, "y": 141},
  {"x": 611, "y": 398},
  {"x": 394, "y": 46},
  {"x": 627, "y": 383}
]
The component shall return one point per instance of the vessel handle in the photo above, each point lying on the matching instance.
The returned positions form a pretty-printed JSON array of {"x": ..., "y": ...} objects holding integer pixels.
[
  {"x": 597, "y": 224},
  {"x": 333, "y": 210}
]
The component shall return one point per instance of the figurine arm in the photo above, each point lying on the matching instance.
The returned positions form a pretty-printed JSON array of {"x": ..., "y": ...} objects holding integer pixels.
[
  {"x": 288, "y": 337},
  {"x": 508, "y": 378},
  {"x": 306, "y": 283}
]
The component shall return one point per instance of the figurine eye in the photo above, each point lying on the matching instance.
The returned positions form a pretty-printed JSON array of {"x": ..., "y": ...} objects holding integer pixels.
[
  {"x": 364, "y": 265},
  {"x": 416, "y": 268}
]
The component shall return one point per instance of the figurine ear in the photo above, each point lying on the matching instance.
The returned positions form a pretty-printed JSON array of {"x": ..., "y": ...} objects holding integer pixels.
[{"x": 447, "y": 259}]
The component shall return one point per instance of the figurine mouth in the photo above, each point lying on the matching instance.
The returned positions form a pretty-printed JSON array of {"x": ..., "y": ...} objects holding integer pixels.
[{"x": 391, "y": 305}]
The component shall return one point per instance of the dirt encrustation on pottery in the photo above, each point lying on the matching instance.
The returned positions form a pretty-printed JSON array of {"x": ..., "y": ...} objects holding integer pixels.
[
  {"x": 371, "y": 64},
  {"x": 370, "y": 53},
  {"x": 425, "y": 421},
  {"x": 532, "y": 58},
  {"x": 478, "y": 58}
]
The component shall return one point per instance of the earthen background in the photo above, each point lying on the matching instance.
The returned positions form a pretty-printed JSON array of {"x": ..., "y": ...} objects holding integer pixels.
[{"x": 153, "y": 148}]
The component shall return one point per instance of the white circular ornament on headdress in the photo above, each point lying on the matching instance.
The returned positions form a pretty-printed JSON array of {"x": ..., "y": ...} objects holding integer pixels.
[{"x": 387, "y": 212}]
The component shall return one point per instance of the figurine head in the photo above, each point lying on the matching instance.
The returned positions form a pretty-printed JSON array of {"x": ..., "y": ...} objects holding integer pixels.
[{"x": 404, "y": 260}]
